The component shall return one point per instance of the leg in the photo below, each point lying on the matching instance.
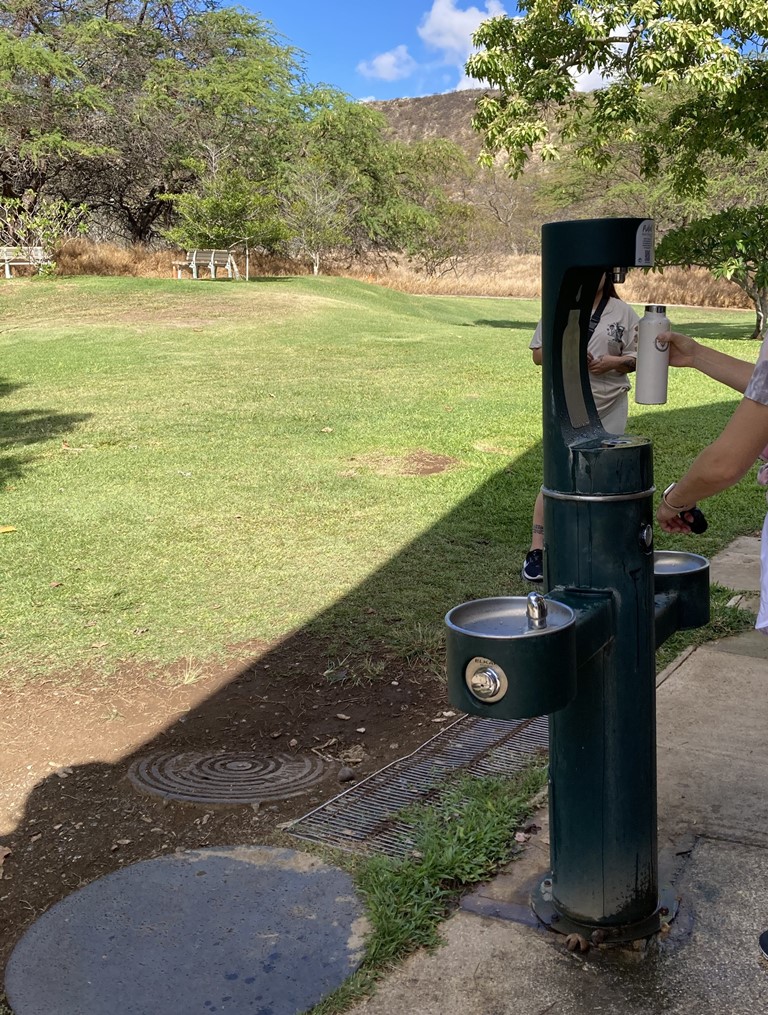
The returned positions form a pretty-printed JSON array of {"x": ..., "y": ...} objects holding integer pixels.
[
  {"x": 537, "y": 533},
  {"x": 533, "y": 568}
]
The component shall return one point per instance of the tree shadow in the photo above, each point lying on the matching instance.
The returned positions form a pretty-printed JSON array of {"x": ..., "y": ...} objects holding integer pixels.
[
  {"x": 21, "y": 428},
  {"x": 473, "y": 551},
  {"x": 488, "y": 322},
  {"x": 728, "y": 332}
]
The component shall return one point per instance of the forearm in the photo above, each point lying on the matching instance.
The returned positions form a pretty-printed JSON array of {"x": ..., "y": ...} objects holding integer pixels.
[
  {"x": 711, "y": 472},
  {"x": 622, "y": 364},
  {"x": 729, "y": 370},
  {"x": 727, "y": 459}
]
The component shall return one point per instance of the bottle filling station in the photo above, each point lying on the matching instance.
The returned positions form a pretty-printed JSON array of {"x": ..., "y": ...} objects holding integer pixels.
[{"x": 584, "y": 652}]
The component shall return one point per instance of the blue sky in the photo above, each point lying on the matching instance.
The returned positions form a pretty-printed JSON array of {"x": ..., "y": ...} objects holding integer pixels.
[{"x": 396, "y": 49}]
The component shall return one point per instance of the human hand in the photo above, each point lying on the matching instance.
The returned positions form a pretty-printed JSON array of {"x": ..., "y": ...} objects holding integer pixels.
[
  {"x": 682, "y": 348},
  {"x": 685, "y": 518},
  {"x": 600, "y": 364},
  {"x": 673, "y": 521}
]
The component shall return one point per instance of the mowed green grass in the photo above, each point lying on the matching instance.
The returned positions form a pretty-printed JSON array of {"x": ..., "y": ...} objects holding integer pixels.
[{"x": 189, "y": 466}]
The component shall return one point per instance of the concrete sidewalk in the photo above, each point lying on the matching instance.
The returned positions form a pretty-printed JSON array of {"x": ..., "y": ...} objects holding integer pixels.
[{"x": 713, "y": 842}]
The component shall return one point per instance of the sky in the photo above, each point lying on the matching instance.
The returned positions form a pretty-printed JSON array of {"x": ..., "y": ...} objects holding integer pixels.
[{"x": 382, "y": 50}]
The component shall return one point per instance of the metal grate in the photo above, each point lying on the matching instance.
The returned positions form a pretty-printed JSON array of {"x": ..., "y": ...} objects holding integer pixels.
[{"x": 363, "y": 818}]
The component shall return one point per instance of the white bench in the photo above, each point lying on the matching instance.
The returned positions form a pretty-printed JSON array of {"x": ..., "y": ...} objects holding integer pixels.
[
  {"x": 22, "y": 257},
  {"x": 211, "y": 260}
]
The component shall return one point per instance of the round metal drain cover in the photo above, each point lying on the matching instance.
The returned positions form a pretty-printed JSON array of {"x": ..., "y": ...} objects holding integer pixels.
[{"x": 234, "y": 778}]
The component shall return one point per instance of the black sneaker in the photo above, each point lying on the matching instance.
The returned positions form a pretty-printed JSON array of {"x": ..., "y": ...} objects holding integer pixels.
[{"x": 533, "y": 568}]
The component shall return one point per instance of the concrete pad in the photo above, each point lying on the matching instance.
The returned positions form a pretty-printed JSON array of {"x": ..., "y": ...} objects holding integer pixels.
[
  {"x": 245, "y": 930},
  {"x": 749, "y": 643},
  {"x": 713, "y": 747},
  {"x": 494, "y": 967},
  {"x": 713, "y": 836},
  {"x": 738, "y": 565}
]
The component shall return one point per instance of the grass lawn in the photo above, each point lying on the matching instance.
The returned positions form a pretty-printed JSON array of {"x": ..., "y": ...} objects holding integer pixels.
[{"x": 189, "y": 466}]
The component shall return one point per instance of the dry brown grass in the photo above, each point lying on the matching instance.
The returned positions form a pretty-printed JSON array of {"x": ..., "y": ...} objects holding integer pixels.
[
  {"x": 80, "y": 256},
  {"x": 516, "y": 276},
  {"x": 520, "y": 277}
]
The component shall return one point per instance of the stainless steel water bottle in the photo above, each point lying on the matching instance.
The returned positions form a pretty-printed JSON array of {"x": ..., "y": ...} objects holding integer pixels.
[{"x": 652, "y": 357}]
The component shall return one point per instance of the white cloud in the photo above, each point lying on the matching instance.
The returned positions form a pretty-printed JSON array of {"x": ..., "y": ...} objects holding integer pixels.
[
  {"x": 467, "y": 84},
  {"x": 448, "y": 29},
  {"x": 391, "y": 66},
  {"x": 589, "y": 81}
]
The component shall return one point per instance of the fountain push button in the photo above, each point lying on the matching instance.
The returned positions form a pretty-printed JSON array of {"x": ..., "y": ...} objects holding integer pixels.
[{"x": 486, "y": 680}]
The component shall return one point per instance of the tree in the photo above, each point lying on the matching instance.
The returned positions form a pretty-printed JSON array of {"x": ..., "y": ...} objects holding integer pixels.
[
  {"x": 30, "y": 224},
  {"x": 226, "y": 210},
  {"x": 317, "y": 212},
  {"x": 378, "y": 196},
  {"x": 107, "y": 101},
  {"x": 732, "y": 245},
  {"x": 708, "y": 54},
  {"x": 439, "y": 236}
]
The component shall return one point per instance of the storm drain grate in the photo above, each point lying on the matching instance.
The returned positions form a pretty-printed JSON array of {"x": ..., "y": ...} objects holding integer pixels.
[
  {"x": 225, "y": 778},
  {"x": 363, "y": 818}
]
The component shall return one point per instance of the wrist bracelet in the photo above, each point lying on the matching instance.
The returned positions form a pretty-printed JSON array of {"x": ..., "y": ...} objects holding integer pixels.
[{"x": 665, "y": 501}]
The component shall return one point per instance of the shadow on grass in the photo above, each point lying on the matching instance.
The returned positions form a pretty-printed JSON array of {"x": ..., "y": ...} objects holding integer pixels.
[
  {"x": 500, "y": 322},
  {"x": 21, "y": 428},
  {"x": 728, "y": 332},
  {"x": 474, "y": 551}
]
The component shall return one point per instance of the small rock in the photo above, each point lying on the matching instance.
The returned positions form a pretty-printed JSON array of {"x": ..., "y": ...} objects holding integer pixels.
[
  {"x": 340, "y": 715},
  {"x": 346, "y": 774},
  {"x": 361, "y": 729}
]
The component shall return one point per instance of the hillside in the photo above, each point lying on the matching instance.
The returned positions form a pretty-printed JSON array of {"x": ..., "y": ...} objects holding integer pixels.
[{"x": 445, "y": 116}]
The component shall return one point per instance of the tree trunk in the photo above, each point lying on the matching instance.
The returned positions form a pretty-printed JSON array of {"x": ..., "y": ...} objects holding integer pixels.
[{"x": 761, "y": 314}]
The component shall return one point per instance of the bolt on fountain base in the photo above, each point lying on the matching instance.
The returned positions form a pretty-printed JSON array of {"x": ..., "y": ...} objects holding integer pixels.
[{"x": 599, "y": 934}]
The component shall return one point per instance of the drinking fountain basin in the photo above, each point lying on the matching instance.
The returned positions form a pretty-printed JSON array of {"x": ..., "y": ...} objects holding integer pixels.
[
  {"x": 684, "y": 576},
  {"x": 511, "y": 657}
]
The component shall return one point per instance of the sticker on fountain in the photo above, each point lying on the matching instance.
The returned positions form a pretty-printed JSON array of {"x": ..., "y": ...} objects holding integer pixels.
[{"x": 226, "y": 777}]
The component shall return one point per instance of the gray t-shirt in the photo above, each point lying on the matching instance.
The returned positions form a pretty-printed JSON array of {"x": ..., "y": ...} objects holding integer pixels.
[
  {"x": 615, "y": 335},
  {"x": 757, "y": 389}
]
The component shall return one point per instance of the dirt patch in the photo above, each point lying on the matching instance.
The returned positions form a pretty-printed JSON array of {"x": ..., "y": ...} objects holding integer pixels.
[
  {"x": 69, "y": 814},
  {"x": 416, "y": 463}
]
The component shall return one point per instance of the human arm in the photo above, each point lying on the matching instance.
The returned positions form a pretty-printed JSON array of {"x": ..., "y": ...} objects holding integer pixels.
[
  {"x": 604, "y": 364},
  {"x": 721, "y": 464},
  {"x": 686, "y": 352},
  {"x": 537, "y": 357}
]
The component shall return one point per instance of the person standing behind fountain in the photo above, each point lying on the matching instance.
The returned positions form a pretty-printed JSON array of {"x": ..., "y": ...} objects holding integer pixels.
[
  {"x": 611, "y": 355},
  {"x": 730, "y": 457}
]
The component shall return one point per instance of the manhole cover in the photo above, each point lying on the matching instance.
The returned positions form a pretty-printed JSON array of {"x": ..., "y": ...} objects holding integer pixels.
[
  {"x": 234, "y": 930},
  {"x": 225, "y": 778}
]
